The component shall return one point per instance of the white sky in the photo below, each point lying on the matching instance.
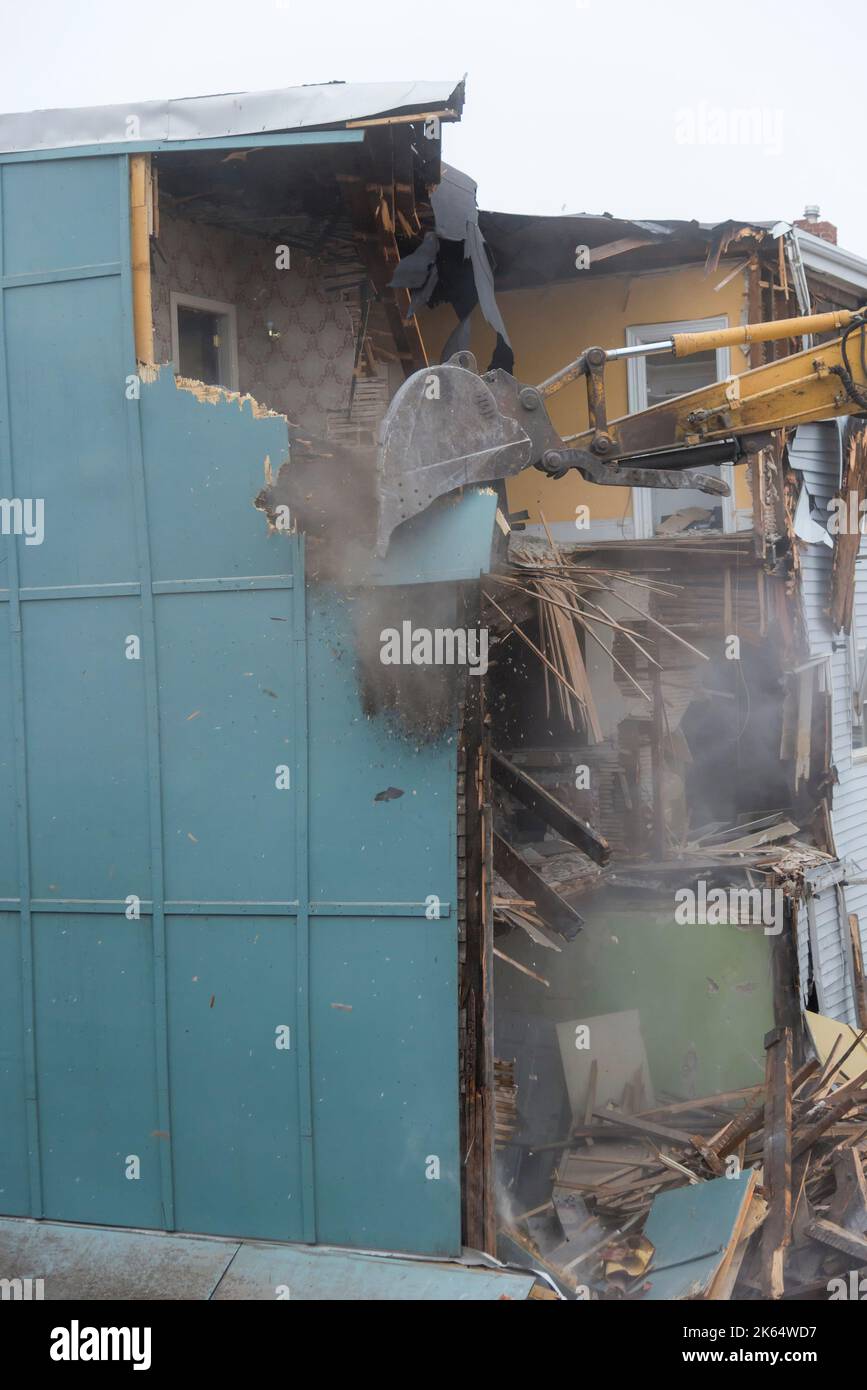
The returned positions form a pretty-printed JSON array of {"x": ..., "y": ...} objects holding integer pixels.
[{"x": 626, "y": 107}]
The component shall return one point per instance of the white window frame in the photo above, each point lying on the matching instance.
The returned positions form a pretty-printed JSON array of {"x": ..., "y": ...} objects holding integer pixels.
[
  {"x": 213, "y": 306},
  {"x": 636, "y": 386}
]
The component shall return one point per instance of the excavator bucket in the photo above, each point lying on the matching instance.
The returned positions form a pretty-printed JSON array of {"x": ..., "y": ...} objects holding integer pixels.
[
  {"x": 442, "y": 430},
  {"x": 447, "y": 427}
]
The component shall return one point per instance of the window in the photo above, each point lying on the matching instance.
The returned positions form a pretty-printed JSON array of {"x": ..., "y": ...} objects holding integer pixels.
[
  {"x": 204, "y": 340},
  {"x": 655, "y": 379}
]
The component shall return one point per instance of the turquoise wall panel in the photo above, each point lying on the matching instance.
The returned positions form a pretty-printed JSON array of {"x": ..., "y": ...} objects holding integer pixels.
[
  {"x": 87, "y": 756},
  {"x": 226, "y": 725},
  {"x": 384, "y": 1074},
  {"x": 68, "y": 430},
  {"x": 14, "y": 1182},
  {"x": 95, "y": 1068},
  {"x": 361, "y": 849},
  {"x": 206, "y": 464},
  {"x": 60, "y": 213},
  {"x": 235, "y": 1125},
  {"x": 8, "y": 814}
]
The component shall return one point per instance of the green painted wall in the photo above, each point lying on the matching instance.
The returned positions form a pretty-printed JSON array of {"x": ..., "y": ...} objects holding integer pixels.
[{"x": 704, "y": 993}]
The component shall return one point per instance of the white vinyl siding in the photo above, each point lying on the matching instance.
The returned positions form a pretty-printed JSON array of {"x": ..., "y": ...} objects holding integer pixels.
[{"x": 816, "y": 454}]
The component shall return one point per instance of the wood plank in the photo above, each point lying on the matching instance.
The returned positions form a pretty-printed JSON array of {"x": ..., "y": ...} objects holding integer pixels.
[
  {"x": 554, "y": 910},
  {"x": 539, "y": 800},
  {"x": 750, "y": 1217},
  {"x": 848, "y": 540},
  {"x": 643, "y": 1126},
  {"x": 849, "y": 1204},
  {"x": 718, "y": 1101},
  {"x": 761, "y": 837},
  {"x": 858, "y": 966},
  {"x": 750, "y": 1120},
  {"x": 524, "y": 969},
  {"x": 839, "y": 1239},
  {"x": 377, "y": 250},
  {"x": 617, "y": 248},
  {"x": 777, "y": 1176},
  {"x": 837, "y": 1106},
  {"x": 591, "y": 1093},
  {"x": 141, "y": 204}
]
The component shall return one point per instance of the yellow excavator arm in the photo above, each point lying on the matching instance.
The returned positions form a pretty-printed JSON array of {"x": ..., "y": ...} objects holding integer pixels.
[
  {"x": 448, "y": 426},
  {"x": 819, "y": 382}
]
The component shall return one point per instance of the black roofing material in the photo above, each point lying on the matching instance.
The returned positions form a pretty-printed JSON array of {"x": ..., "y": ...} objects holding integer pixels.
[{"x": 452, "y": 266}]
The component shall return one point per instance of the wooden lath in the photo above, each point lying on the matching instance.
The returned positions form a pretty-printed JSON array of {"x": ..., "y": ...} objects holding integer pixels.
[{"x": 372, "y": 207}]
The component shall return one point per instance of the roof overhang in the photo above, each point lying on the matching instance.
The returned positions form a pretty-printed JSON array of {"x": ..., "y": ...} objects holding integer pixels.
[
  {"x": 143, "y": 124},
  {"x": 842, "y": 269}
]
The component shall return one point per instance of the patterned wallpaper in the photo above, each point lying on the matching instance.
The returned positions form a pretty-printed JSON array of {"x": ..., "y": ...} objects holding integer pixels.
[{"x": 303, "y": 374}]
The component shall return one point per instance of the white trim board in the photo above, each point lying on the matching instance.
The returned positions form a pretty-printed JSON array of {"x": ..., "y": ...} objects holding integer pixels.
[
  {"x": 636, "y": 387},
  {"x": 213, "y": 306}
]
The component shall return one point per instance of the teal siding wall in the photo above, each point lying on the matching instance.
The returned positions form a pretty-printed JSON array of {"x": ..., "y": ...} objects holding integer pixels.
[{"x": 261, "y": 909}]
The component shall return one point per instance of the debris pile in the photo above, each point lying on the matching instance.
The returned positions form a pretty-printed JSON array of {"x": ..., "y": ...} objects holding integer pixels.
[{"x": 756, "y": 1193}]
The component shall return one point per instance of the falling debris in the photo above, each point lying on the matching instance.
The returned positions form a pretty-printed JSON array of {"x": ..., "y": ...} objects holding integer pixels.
[{"x": 390, "y": 794}]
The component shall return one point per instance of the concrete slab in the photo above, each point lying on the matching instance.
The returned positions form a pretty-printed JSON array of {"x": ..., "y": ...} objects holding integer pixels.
[
  {"x": 308, "y": 1274},
  {"x": 104, "y": 1262},
  {"x": 90, "y": 1262}
]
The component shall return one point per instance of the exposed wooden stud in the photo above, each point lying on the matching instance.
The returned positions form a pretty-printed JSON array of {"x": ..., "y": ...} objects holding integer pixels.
[
  {"x": 858, "y": 965},
  {"x": 141, "y": 223},
  {"x": 777, "y": 1159}
]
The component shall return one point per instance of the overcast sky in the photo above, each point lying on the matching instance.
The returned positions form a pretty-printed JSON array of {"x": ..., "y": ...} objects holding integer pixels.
[{"x": 677, "y": 108}]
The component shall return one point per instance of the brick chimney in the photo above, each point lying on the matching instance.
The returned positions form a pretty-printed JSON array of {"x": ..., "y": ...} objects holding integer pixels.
[{"x": 810, "y": 223}]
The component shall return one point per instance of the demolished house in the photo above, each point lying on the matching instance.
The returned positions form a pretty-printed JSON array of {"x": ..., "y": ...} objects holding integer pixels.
[
  {"x": 674, "y": 719},
  {"x": 543, "y": 946}
]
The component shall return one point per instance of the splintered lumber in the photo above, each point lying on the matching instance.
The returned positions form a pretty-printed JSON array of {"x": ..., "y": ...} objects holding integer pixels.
[
  {"x": 797, "y": 1143},
  {"x": 752, "y": 1215},
  {"x": 846, "y": 1241},
  {"x": 519, "y": 632},
  {"x": 751, "y": 1119},
  {"x": 515, "y": 912},
  {"x": 642, "y": 1126},
  {"x": 591, "y": 1093},
  {"x": 676, "y": 1167},
  {"x": 860, "y": 983},
  {"x": 536, "y": 798},
  {"x": 847, "y": 543},
  {"x": 837, "y": 1105},
  {"x": 505, "y": 1101},
  {"x": 829, "y": 1036},
  {"x": 679, "y": 1107},
  {"x": 524, "y": 969},
  {"x": 849, "y": 1205},
  {"x": 777, "y": 1158},
  {"x": 554, "y": 910},
  {"x": 780, "y": 831}
]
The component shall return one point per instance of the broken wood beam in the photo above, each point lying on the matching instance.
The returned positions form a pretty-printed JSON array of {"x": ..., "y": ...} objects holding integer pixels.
[
  {"x": 538, "y": 799},
  {"x": 642, "y": 1126},
  {"x": 554, "y": 910},
  {"x": 750, "y": 1119},
  {"x": 837, "y": 1104},
  {"x": 839, "y": 1239},
  {"x": 377, "y": 250},
  {"x": 524, "y": 969},
  {"x": 849, "y": 1204},
  {"x": 777, "y": 1178},
  {"x": 859, "y": 983}
]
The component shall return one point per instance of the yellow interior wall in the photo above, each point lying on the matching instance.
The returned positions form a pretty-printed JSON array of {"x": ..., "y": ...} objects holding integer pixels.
[{"x": 551, "y": 326}]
